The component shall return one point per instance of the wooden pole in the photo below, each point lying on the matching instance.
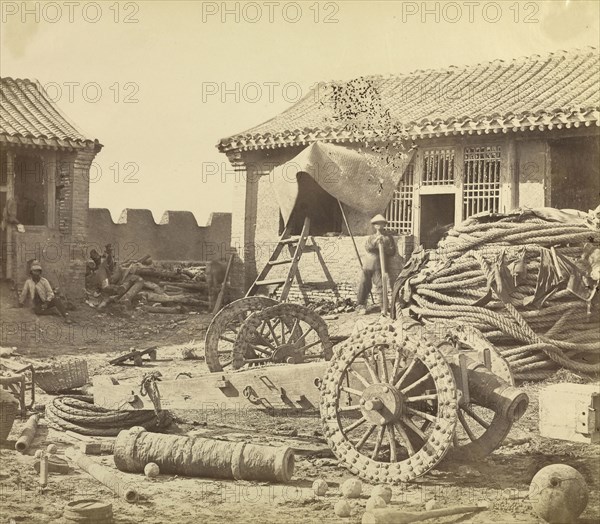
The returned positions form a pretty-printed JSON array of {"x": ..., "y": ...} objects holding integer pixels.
[
  {"x": 353, "y": 241},
  {"x": 219, "y": 301},
  {"x": 396, "y": 516},
  {"x": 103, "y": 475},
  {"x": 384, "y": 290}
]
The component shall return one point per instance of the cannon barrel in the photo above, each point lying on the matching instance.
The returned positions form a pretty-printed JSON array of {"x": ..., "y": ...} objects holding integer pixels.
[
  {"x": 490, "y": 391},
  {"x": 202, "y": 457}
]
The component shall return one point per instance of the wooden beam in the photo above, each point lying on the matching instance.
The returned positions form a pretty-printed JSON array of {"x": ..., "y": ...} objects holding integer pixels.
[{"x": 291, "y": 387}]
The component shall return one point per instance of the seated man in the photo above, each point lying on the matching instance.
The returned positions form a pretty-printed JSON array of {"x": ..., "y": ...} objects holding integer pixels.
[
  {"x": 372, "y": 265},
  {"x": 39, "y": 290}
]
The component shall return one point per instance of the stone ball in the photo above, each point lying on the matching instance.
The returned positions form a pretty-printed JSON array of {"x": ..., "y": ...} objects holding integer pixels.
[
  {"x": 558, "y": 493},
  {"x": 432, "y": 504},
  {"x": 375, "y": 502},
  {"x": 342, "y": 508},
  {"x": 320, "y": 487},
  {"x": 383, "y": 491},
  {"x": 51, "y": 449},
  {"x": 351, "y": 488},
  {"x": 151, "y": 470}
]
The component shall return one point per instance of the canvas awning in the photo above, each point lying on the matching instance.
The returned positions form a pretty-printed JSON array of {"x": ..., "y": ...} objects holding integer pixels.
[{"x": 361, "y": 180}]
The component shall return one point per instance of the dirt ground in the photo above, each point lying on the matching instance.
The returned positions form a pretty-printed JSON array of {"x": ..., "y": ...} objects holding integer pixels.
[{"x": 502, "y": 479}]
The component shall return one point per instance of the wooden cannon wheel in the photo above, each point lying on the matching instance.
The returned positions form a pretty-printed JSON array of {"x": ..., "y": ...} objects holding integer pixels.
[
  {"x": 285, "y": 333},
  {"x": 388, "y": 404},
  {"x": 480, "y": 429},
  {"x": 224, "y": 327}
]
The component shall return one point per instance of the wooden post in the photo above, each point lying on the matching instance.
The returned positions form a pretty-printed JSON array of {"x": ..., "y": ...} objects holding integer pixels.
[
  {"x": 353, "y": 242},
  {"x": 384, "y": 290},
  {"x": 219, "y": 301}
]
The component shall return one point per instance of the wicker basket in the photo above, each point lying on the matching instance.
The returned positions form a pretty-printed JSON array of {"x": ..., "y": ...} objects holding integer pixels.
[
  {"x": 9, "y": 408},
  {"x": 62, "y": 377}
]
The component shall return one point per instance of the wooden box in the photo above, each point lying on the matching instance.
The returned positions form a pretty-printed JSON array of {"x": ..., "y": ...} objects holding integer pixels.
[{"x": 571, "y": 412}]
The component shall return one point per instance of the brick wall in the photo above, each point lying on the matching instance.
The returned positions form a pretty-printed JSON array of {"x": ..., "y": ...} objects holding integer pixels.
[
  {"x": 177, "y": 236},
  {"x": 334, "y": 261},
  {"x": 255, "y": 231},
  {"x": 60, "y": 245}
]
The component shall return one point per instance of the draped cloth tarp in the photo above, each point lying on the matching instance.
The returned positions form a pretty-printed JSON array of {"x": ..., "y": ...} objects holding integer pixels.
[{"x": 360, "y": 180}]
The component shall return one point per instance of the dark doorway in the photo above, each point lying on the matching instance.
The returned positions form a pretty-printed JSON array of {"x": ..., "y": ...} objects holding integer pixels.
[
  {"x": 317, "y": 204},
  {"x": 575, "y": 166},
  {"x": 30, "y": 190},
  {"x": 437, "y": 217}
]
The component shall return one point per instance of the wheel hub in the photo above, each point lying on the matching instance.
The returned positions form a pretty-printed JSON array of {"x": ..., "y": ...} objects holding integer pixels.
[
  {"x": 381, "y": 404},
  {"x": 288, "y": 354}
]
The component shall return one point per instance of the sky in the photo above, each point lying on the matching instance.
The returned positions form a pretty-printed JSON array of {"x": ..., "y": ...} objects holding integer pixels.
[{"x": 158, "y": 83}]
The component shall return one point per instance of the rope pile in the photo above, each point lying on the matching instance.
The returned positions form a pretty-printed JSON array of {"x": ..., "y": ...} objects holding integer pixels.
[
  {"x": 453, "y": 284},
  {"x": 78, "y": 413}
]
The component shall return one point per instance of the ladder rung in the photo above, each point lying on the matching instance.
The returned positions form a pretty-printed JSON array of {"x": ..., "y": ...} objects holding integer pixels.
[
  {"x": 291, "y": 240},
  {"x": 279, "y": 262},
  {"x": 269, "y": 282}
]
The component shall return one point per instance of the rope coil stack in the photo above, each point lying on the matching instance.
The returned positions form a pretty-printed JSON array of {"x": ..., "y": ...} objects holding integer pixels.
[
  {"x": 78, "y": 413},
  {"x": 454, "y": 281}
]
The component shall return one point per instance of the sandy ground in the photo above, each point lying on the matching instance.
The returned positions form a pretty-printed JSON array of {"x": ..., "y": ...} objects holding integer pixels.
[{"x": 502, "y": 479}]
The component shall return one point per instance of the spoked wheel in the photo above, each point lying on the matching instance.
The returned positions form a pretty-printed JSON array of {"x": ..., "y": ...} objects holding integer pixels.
[
  {"x": 388, "y": 405},
  {"x": 285, "y": 333},
  {"x": 224, "y": 327},
  {"x": 480, "y": 430}
]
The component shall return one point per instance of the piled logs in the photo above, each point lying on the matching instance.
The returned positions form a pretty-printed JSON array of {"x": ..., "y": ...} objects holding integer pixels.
[{"x": 171, "y": 289}]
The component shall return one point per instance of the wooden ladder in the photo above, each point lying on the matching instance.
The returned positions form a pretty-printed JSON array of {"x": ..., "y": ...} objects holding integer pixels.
[{"x": 286, "y": 240}]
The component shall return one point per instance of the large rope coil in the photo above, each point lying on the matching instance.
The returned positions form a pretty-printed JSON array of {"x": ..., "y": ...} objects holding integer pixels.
[
  {"x": 78, "y": 413},
  {"x": 459, "y": 282}
]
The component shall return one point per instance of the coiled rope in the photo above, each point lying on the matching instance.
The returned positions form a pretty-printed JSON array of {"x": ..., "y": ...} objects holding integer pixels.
[
  {"x": 535, "y": 342},
  {"x": 78, "y": 413}
]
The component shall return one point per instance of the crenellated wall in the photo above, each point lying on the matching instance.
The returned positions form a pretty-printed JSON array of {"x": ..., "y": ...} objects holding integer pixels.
[{"x": 177, "y": 236}]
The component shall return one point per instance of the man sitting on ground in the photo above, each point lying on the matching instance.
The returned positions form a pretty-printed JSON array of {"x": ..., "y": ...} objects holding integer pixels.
[{"x": 40, "y": 291}]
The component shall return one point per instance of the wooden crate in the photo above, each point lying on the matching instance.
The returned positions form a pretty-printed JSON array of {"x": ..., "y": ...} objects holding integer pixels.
[{"x": 571, "y": 412}]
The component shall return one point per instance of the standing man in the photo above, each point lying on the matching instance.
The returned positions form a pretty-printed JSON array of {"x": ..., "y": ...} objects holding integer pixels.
[
  {"x": 40, "y": 291},
  {"x": 372, "y": 265}
]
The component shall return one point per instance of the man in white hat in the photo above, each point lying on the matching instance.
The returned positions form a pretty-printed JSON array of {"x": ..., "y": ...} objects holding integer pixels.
[
  {"x": 371, "y": 264},
  {"x": 39, "y": 290}
]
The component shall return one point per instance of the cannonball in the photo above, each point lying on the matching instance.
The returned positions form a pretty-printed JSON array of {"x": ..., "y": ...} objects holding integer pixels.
[
  {"x": 351, "y": 488},
  {"x": 151, "y": 470},
  {"x": 342, "y": 508},
  {"x": 558, "y": 493},
  {"x": 375, "y": 502},
  {"x": 39, "y": 454},
  {"x": 51, "y": 449},
  {"x": 432, "y": 504},
  {"x": 383, "y": 491},
  {"x": 320, "y": 487}
]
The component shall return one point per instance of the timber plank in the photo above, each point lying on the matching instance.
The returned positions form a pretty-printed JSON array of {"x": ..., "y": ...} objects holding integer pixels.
[{"x": 288, "y": 386}]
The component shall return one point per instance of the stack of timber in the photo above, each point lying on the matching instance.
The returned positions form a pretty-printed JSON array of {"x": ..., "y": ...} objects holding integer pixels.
[
  {"x": 174, "y": 288},
  {"x": 160, "y": 287}
]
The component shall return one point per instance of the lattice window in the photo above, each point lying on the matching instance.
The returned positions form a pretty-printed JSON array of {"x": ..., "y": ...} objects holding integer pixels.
[
  {"x": 399, "y": 212},
  {"x": 438, "y": 167},
  {"x": 481, "y": 184}
]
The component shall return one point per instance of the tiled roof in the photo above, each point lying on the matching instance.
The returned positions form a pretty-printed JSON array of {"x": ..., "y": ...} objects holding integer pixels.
[
  {"x": 558, "y": 90},
  {"x": 28, "y": 117}
]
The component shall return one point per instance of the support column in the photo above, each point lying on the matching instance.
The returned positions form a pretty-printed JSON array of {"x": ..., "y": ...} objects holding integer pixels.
[
  {"x": 240, "y": 230},
  {"x": 78, "y": 218}
]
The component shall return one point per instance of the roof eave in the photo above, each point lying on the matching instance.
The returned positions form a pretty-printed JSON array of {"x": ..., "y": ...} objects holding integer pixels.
[{"x": 588, "y": 118}]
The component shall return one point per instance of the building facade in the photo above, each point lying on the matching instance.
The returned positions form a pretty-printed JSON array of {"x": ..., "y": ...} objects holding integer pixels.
[
  {"x": 44, "y": 187},
  {"x": 485, "y": 138}
]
